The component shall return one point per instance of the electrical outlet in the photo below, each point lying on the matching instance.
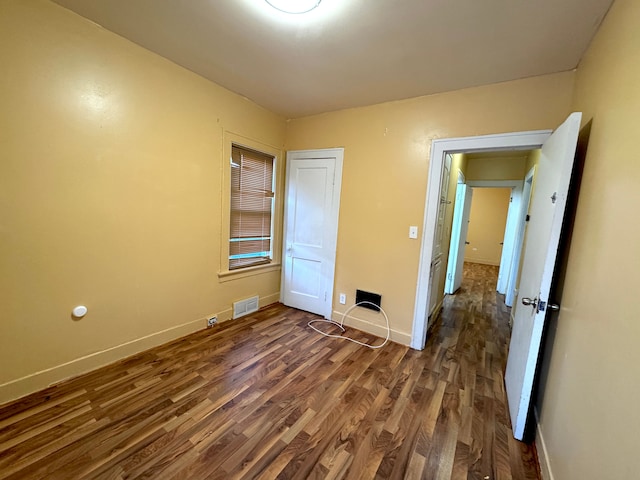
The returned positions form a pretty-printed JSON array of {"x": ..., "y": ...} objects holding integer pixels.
[
  {"x": 343, "y": 299},
  {"x": 211, "y": 321}
]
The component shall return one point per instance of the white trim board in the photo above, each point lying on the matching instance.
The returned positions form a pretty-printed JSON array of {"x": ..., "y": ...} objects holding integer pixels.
[
  {"x": 34, "y": 382},
  {"x": 20, "y": 387},
  {"x": 541, "y": 449},
  {"x": 369, "y": 326},
  {"x": 485, "y": 143}
]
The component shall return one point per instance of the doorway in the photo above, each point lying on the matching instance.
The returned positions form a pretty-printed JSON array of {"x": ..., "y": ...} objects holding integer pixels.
[
  {"x": 440, "y": 148},
  {"x": 484, "y": 227},
  {"x": 548, "y": 204}
]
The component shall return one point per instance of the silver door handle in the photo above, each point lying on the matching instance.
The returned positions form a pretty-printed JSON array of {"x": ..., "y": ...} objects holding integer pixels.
[
  {"x": 529, "y": 302},
  {"x": 553, "y": 306}
]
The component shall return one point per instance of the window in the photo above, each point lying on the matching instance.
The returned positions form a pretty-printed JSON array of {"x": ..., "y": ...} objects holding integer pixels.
[{"x": 252, "y": 195}]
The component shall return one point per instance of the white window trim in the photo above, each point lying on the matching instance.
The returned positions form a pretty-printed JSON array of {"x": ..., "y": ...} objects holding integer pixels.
[{"x": 224, "y": 274}]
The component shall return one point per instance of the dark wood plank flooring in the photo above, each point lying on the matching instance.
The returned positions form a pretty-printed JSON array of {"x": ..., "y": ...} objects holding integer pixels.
[{"x": 266, "y": 397}]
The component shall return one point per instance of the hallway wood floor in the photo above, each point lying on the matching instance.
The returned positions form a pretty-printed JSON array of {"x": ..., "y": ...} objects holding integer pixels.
[{"x": 266, "y": 397}]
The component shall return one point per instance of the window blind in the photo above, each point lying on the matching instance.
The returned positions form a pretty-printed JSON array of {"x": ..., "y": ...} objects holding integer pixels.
[{"x": 251, "y": 208}]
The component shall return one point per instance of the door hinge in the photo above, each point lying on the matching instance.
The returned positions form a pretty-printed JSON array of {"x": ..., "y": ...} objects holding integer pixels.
[
  {"x": 325, "y": 296},
  {"x": 527, "y": 218},
  {"x": 554, "y": 197}
]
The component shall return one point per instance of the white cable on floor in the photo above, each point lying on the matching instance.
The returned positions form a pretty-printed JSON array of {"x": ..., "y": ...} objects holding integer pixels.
[{"x": 340, "y": 325}]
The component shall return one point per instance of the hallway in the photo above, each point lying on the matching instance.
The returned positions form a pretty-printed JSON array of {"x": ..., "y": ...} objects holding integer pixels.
[{"x": 471, "y": 336}]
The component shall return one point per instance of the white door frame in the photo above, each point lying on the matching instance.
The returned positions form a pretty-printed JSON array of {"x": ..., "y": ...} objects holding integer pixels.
[
  {"x": 338, "y": 154},
  {"x": 439, "y": 147}
]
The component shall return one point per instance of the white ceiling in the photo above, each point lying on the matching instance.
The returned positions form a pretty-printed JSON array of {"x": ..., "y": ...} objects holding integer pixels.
[{"x": 350, "y": 53}]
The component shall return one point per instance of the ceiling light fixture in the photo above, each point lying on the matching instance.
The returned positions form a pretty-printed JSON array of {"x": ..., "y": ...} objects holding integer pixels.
[{"x": 294, "y": 6}]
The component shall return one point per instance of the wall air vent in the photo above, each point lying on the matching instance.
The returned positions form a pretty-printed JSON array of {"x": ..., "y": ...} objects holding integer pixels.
[
  {"x": 373, "y": 300},
  {"x": 245, "y": 307}
]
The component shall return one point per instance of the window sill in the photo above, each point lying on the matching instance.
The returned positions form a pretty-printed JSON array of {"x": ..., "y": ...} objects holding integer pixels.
[{"x": 228, "y": 275}]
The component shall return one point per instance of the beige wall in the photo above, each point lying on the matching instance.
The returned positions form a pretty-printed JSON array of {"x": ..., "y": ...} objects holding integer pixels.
[
  {"x": 386, "y": 167},
  {"x": 110, "y": 191},
  {"x": 532, "y": 160},
  {"x": 589, "y": 403},
  {"x": 499, "y": 168},
  {"x": 487, "y": 221}
]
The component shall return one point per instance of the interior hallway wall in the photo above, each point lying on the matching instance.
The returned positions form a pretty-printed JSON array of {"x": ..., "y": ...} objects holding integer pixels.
[
  {"x": 496, "y": 168},
  {"x": 487, "y": 221}
]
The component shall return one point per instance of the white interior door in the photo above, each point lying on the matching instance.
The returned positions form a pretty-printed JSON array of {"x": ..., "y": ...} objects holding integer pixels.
[
  {"x": 438, "y": 248},
  {"x": 311, "y": 229},
  {"x": 508, "y": 242},
  {"x": 521, "y": 228},
  {"x": 442, "y": 209},
  {"x": 461, "y": 212},
  {"x": 543, "y": 235}
]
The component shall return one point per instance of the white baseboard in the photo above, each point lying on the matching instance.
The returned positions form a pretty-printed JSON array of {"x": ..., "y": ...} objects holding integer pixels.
[
  {"x": 269, "y": 299},
  {"x": 34, "y": 382},
  {"x": 436, "y": 310},
  {"x": 374, "y": 328},
  {"x": 541, "y": 448},
  {"x": 37, "y": 381}
]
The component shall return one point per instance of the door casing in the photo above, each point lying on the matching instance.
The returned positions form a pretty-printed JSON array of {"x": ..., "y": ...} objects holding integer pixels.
[{"x": 439, "y": 148}]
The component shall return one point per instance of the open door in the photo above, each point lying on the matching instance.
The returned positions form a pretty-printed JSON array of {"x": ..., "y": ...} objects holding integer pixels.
[
  {"x": 521, "y": 227},
  {"x": 543, "y": 236},
  {"x": 437, "y": 258},
  {"x": 508, "y": 242},
  {"x": 461, "y": 212}
]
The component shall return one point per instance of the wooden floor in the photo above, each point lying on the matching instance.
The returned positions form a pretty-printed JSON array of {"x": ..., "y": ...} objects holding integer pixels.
[{"x": 266, "y": 397}]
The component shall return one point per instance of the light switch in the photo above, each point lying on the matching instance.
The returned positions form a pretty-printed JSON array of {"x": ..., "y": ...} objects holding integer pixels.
[{"x": 413, "y": 231}]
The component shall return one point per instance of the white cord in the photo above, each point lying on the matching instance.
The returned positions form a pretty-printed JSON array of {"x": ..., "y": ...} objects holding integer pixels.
[{"x": 340, "y": 325}]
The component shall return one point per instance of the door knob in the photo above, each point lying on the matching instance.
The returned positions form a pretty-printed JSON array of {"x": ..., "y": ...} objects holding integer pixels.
[
  {"x": 540, "y": 306},
  {"x": 530, "y": 302}
]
